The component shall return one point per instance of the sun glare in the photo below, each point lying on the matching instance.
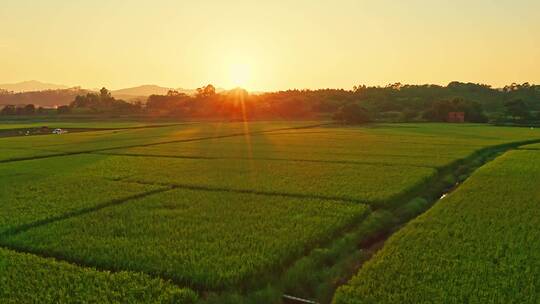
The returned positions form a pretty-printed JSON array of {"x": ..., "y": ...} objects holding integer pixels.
[{"x": 240, "y": 74}]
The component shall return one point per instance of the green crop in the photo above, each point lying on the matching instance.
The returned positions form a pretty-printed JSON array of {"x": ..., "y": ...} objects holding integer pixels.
[
  {"x": 478, "y": 245},
  {"x": 32, "y": 146},
  {"x": 531, "y": 147},
  {"x": 208, "y": 239},
  {"x": 432, "y": 145},
  {"x": 364, "y": 183},
  {"x": 25, "y": 278},
  {"x": 224, "y": 207},
  {"x": 39, "y": 190}
]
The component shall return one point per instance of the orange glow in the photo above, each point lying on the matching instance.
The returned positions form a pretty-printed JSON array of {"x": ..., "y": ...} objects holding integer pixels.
[
  {"x": 269, "y": 45},
  {"x": 240, "y": 74}
]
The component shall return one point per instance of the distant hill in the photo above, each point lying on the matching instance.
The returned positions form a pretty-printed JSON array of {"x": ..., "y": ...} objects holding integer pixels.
[
  {"x": 30, "y": 86},
  {"x": 46, "y": 94},
  {"x": 143, "y": 91},
  {"x": 44, "y": 98}
]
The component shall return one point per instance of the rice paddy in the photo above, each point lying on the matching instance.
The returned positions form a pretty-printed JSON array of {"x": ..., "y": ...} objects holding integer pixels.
[{"x": 195, "y": 209}]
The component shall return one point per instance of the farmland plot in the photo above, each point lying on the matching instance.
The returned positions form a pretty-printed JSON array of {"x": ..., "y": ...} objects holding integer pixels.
[
  {"x": 14, "y": 153},
  {"x": 364, "y": 183},
  {"x": 30, "y": 146},
  {"x": 207, "y": 239},
  {"x": 531, "y": 147},
  {"x": 400, "y": 146},
  {"x": 26, "y": 278},
  {"x": 479, "y": 245},
  {"x": 40, "y": 190},
  {"x": 221, "y": 213}
]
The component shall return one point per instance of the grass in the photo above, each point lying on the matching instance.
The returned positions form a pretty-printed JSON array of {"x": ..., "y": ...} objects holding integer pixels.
[
  {"x": 475, "y": 246},
  {"x": 25, "y": 278},
  {"x": 205, "y": 239}
]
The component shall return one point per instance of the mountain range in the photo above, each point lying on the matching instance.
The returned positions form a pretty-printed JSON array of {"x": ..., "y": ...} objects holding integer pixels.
[
  {"x": 143, "y": 91},
  {"x": 133, "y": 93},
  {"x": 32, "y": 85}
]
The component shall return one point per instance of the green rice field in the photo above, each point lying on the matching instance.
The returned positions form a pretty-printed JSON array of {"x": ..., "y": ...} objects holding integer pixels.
[
  {"x": 478, "y": 245},
  {"x": 230, "y": 212}
]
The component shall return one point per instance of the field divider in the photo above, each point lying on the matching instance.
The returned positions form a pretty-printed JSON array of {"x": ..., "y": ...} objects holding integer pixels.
[
  {"x": 83, "y": 211},
  {"x": 68, "y": 215},
  {"x": 90, "y": 151},
  {"x": 245, "y": 191}
]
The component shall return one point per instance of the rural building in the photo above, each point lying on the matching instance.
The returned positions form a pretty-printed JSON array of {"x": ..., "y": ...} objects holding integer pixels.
[{"x": 456, "y": 117}]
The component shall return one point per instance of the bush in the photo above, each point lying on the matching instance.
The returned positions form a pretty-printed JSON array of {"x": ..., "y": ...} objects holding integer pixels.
[
  {"x": 352, "y": 114},
  {"x": 63, "y": 110}
]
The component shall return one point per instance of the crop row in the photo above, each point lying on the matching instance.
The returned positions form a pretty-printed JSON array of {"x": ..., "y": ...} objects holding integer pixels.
[
  {"x": 310, "y": 148},
  {"x": 365, "y": 183},
  {"x": 478, "y": 245},
  {"x": 244, "y": 233},
  {"x": 198, "y": 238},
  {"x": 40, "y": 190},
  {"x": 531, "y": 147},
  {"x": 30, "y": 146},
  {"x": 411, "y": 145},
  {"x": 229, "y": 223},
  {"x": 25, "y": 278}
]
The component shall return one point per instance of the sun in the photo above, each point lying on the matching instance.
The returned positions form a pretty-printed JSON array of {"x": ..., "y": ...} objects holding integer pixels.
[{"x": 240, "y": 74}]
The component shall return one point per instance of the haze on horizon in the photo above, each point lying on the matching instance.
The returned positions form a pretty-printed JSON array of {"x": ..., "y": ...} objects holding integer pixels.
[{"x": 269, "y": 45}]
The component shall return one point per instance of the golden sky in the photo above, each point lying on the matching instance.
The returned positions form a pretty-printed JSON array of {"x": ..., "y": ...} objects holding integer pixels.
[{"x": 269, "y": 45}]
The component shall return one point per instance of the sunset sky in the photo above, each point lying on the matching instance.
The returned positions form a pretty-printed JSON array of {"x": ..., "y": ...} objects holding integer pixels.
[{"x": 269, "y": 45}]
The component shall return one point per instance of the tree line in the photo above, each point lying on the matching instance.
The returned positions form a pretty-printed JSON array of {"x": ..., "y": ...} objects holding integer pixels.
[{"x": 517, "y": 103}]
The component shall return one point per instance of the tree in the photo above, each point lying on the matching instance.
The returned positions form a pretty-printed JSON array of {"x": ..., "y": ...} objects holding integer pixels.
[
  {"x": 104, "y": 94},
  {"x": 174, "y": 103},
  {"x": 440, "y": 109},
  {"x": 9, "y": 110},
  {"x": 517, "y": 109},
  {"x": 29, "y": 109},
  {"x": 352, "y": 113},
  {"x": 408, "y": 115},
  {"x": 207, "y": 91},
  {"x": 63, "y": 110}
]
